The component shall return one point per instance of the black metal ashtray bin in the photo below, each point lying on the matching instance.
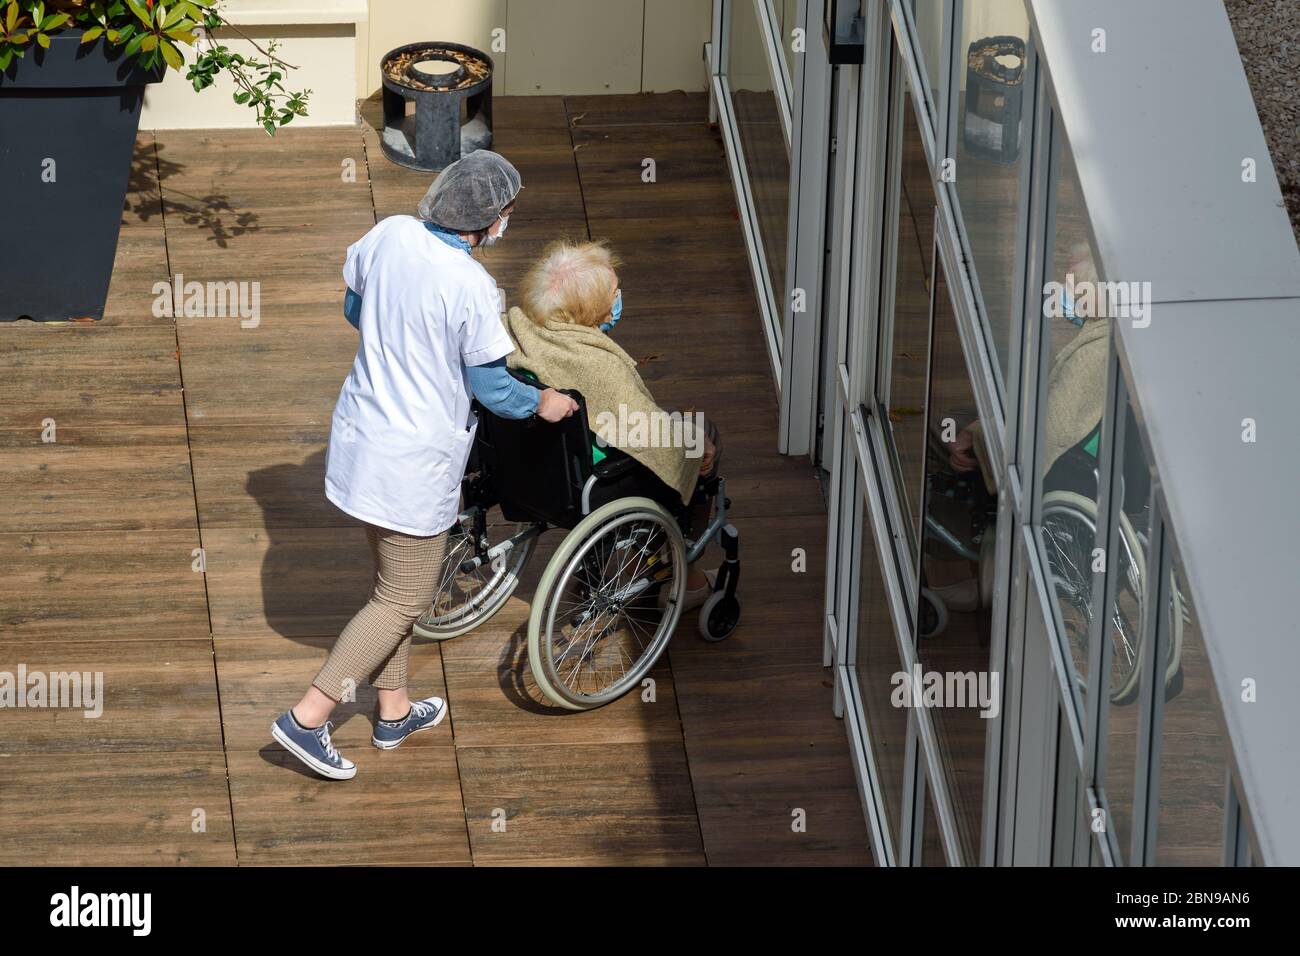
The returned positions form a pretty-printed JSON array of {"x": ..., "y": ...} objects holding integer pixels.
[
  {"x": 451, "y": 87},
  {"x": 994, "y": 95}
]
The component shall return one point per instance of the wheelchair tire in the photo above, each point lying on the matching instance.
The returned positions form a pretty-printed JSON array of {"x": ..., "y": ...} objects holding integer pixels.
[
  {"x": 490, "y": 598},
  {"x": 586, "y": 552},
  {"x": 932, "y": 618},
  {"x": 719, "y": 616}
]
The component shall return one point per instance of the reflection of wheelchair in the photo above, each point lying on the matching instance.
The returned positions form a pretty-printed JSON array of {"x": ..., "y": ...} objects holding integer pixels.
[
  {"x": 1069, "y": 535},
  {"x": 609, "y": 599},
  {"x": 961, "y": 519}
]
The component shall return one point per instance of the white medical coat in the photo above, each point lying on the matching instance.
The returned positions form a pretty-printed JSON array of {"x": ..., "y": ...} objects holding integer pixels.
[{"x": 402, "y": 426}]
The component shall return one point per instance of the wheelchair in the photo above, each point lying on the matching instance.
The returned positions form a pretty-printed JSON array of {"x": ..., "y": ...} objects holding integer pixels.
[{"x": 610, "y": 597}]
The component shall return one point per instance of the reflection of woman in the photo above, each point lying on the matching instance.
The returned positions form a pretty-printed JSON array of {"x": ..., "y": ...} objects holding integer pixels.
[
  {"x": 1076, "y": 383},
  {"x": 1076, "y": 396}
]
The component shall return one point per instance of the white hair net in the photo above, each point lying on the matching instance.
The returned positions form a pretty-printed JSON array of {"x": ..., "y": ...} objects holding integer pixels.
[{"x": 470, "y": 193}]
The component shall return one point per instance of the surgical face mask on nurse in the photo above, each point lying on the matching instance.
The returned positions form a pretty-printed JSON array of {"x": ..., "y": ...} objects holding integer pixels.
[{"x": 491, "y": 240}]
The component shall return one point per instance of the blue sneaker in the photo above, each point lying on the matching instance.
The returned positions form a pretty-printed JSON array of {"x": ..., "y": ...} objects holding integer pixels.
[
  {"x": 424, "y": 714},
  {"x": 312, "y": 746}
]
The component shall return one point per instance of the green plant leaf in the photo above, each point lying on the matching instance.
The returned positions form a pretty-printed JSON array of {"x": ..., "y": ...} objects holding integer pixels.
[
  {"x": 148, "y": 42},
  {"x": 11, "y": 16},
  {"x": 172, "y": 55},
  {"x": 91, "y": 35},
  {"x": 141, "y": 12},
  {"x": 43, "y": 40}
]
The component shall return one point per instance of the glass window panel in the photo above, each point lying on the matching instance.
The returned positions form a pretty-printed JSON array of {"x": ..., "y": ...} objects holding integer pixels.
[
  {"x": 928, "y": 17},
  {"x": 876, "y": 662},
  {"x": 1193, "y": 749},
  {"x": 1077, "y": 340},
  {"x": 991, "y": 105},
  {"x": 762, "y": 142},
  {"x": 1123, "y": 630},
  {"x": 931, "y": 838},
  {"x": 906, "y": 355},
  {"x": 954, "y": 618},
  {"x": 788, "y": 18}
]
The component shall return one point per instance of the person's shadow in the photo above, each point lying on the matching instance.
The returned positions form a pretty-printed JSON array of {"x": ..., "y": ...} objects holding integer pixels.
[{"x": 317, "y": 569}]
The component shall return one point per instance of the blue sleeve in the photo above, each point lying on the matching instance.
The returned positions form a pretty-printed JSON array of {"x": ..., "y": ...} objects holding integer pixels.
[
  {"x": 501, "y": 393},
  {"x": 352, "y": 308}
]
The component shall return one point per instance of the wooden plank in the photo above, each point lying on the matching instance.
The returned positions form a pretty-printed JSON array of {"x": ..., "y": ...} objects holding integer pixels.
[
  {"x": 287, "y": 371},
  {"x": 497, "y": 703},
  {"x": 111, "y": 809},
  {"x": 690, "y": 173},
  {"x": 286, "y": 582},
  {"x": 89, "y": 376},
  {"x": 403, "y": 806},
  {"x": 112, "y": 478},
  {"x": 155, "y": 696},
  {"x": 101, "y": 586},
  {"x": 638, "y": 109},
  {"x": 233, "y": 195},
  {"x": 253, "y": 476},
  {"x": 612, "y": 803}
]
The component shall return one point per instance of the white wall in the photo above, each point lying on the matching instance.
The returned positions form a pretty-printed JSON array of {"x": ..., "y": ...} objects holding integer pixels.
[
  {"x": 550, "y": 47},
  {"x": 557, "y": 46}
]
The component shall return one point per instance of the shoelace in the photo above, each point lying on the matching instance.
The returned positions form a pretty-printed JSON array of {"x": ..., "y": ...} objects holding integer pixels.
[
  {"x": 420, "y": 710},
  {"x": 323, "y": 735}
]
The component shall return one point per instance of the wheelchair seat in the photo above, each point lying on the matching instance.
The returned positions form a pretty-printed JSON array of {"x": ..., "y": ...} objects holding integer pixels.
[
  {"x": 539, "y": 470},
  {"x": 535, "y": 468}
]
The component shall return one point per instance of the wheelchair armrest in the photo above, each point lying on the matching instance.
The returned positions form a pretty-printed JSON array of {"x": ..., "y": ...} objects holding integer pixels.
[{"x": 615, "y": 464}]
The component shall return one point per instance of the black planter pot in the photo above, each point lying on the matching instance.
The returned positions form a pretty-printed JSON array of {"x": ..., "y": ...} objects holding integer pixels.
[{"x": 68, "y": 119}]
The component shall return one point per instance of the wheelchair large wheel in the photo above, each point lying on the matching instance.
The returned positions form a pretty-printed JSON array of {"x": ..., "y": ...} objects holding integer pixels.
[
  {"x": 467, "y": 599},
  {"x": 596, "y": 627},
  {"x": 1069, "y": 533}
]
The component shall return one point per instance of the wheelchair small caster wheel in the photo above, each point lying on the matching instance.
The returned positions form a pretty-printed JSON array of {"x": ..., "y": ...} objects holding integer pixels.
[
  {"x": 933, "y": 616},
  {"x": 719, "y": 617}
]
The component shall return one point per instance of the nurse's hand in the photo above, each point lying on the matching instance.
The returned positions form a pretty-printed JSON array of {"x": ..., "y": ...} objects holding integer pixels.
[{"x": 554, "y": 405}]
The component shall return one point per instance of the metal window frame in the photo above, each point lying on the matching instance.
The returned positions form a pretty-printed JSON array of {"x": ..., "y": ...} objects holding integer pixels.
[
  {"x": 771, "y": 301},
  {"x": 1057, "y": 144},
  {"x": 801, "y": 332}
]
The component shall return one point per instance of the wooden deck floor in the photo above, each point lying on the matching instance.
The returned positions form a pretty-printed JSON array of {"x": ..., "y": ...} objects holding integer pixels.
[{"x": 198, "y": 433}]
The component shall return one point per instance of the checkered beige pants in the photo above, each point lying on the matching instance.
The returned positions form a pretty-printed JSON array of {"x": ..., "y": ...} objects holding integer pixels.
[{"x": 374, "y": 645}]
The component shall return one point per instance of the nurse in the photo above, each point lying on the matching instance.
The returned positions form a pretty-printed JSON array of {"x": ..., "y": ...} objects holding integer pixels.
[{"x": 431, "y": 338}]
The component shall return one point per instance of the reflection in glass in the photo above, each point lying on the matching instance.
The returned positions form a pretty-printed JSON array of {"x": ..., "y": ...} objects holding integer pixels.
[
  {"x": 928, "y": 17},
  {"x": 876, "y": 662},
  {"x": 991, "y": 103},
  {"x": 954, "y": 618},
  {"x": 1124, "y": 629},
  {"x": 787, "y": 20},
  {"x": 931, "y": 839},
  {"x": 1076, "y": 335},
  {"x": 905, "y": 357},
  {"x": 762, "y": 142},
  {"x": 1193, "y": 749}
]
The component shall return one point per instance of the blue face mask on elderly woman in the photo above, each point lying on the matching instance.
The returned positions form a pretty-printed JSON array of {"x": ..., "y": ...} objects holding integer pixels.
[{"x": 615, "y": 313}]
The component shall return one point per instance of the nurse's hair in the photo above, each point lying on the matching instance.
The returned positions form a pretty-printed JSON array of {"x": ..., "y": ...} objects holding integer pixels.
[{"x": 571, "y": 282}]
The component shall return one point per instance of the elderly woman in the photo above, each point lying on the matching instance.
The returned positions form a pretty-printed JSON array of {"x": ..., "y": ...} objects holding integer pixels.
[{"x": 571, "y": 302}]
